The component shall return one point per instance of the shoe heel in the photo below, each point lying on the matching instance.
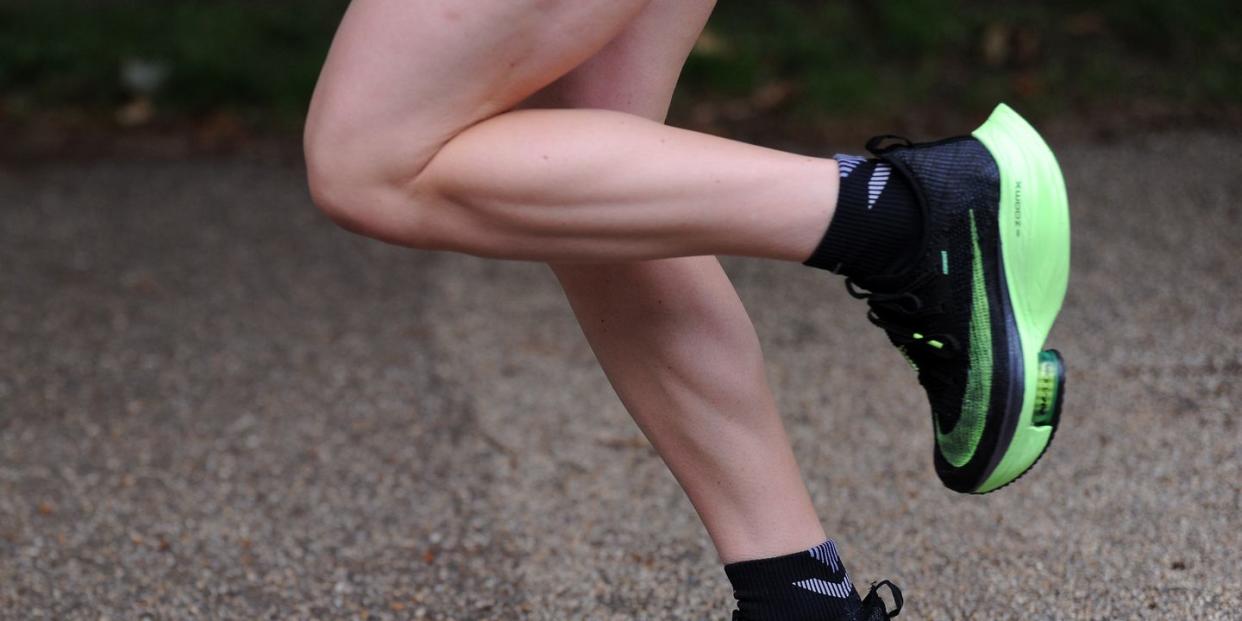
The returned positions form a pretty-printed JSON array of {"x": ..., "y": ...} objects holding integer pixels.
[
  {"x": 1037, "y": 436},
  {"x": 1049, "y": 389}
]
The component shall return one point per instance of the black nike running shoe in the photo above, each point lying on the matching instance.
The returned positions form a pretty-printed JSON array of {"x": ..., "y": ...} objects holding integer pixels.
[
  {"x": 972, "y": 311},
  {"x": 872, "y": 608}
]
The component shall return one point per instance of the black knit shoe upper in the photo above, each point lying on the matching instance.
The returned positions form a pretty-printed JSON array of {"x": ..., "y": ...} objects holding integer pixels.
[
  {"x": 945, "y": 310},
  {"x": 810, "y": 585},
  {"x": 872, "y": 608}
]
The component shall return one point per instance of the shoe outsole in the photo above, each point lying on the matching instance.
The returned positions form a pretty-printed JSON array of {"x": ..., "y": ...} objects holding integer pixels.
[{"x": 1034, "y": 238}]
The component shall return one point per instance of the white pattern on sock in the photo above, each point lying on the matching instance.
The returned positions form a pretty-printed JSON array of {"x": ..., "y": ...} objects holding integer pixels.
[
  {"x": 840, "y": 589},
  {"x": 847, "y": 163},
  {"x": 827, "y": 554},
  {"x": 876, "y": 184}
]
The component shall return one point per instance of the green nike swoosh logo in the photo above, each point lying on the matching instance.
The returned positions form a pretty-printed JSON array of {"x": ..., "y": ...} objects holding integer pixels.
[{"x": 959, "y": 445}]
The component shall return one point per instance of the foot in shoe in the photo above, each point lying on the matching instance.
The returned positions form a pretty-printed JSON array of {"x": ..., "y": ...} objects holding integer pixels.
[{"x": 971, "y": 306}]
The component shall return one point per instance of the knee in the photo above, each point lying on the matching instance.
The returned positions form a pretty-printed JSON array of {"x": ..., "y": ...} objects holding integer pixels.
[
  {"x": 337, "y": 188},
  {"x": 363, "y": 186}
]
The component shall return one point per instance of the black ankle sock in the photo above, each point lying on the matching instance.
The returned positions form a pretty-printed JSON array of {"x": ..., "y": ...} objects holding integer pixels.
[
  {"x": 805, "y": 586},
  {"x": 877, "y": 225}
]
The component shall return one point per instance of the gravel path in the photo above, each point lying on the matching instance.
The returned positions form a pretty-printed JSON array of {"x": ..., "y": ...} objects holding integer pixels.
[{"x": 214, "y": 404}]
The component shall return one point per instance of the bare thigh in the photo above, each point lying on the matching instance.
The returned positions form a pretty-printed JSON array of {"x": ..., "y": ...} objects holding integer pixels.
[
  {"x": 403, "y": 77},
  {"x": 410, "y": 140},
  {"x": 637, "y": 73}
]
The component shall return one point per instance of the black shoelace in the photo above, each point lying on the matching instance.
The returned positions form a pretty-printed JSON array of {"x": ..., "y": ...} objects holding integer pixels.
[
  {"x": 876, "y": 143},
  {"x": 900, "y": 312},
  {"x": 873, "y": 599}
]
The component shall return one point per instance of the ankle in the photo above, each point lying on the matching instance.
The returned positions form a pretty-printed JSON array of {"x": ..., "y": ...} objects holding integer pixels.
[
  {"x": 811, "y": 584},
  {"x": 877, "y": 224}
]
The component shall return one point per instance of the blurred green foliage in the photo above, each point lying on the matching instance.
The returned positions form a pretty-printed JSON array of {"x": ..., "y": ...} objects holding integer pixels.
[
  {"x": 884, "y": 56},
  {"x": 256, "y": 57},
  {"x": 801, "y": 58}
]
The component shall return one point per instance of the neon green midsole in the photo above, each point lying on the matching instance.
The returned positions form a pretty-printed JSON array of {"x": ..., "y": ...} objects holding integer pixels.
[{"x": 1035, "y": 246}]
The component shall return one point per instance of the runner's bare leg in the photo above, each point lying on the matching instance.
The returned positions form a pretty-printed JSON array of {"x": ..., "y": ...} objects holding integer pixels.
[
  {"x": 672, "y": 334},
  {"x": 411, "y": 139}
]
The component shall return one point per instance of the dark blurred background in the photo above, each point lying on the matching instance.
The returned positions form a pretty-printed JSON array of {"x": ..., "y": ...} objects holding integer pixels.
[{"x": 222, "y": 73}]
